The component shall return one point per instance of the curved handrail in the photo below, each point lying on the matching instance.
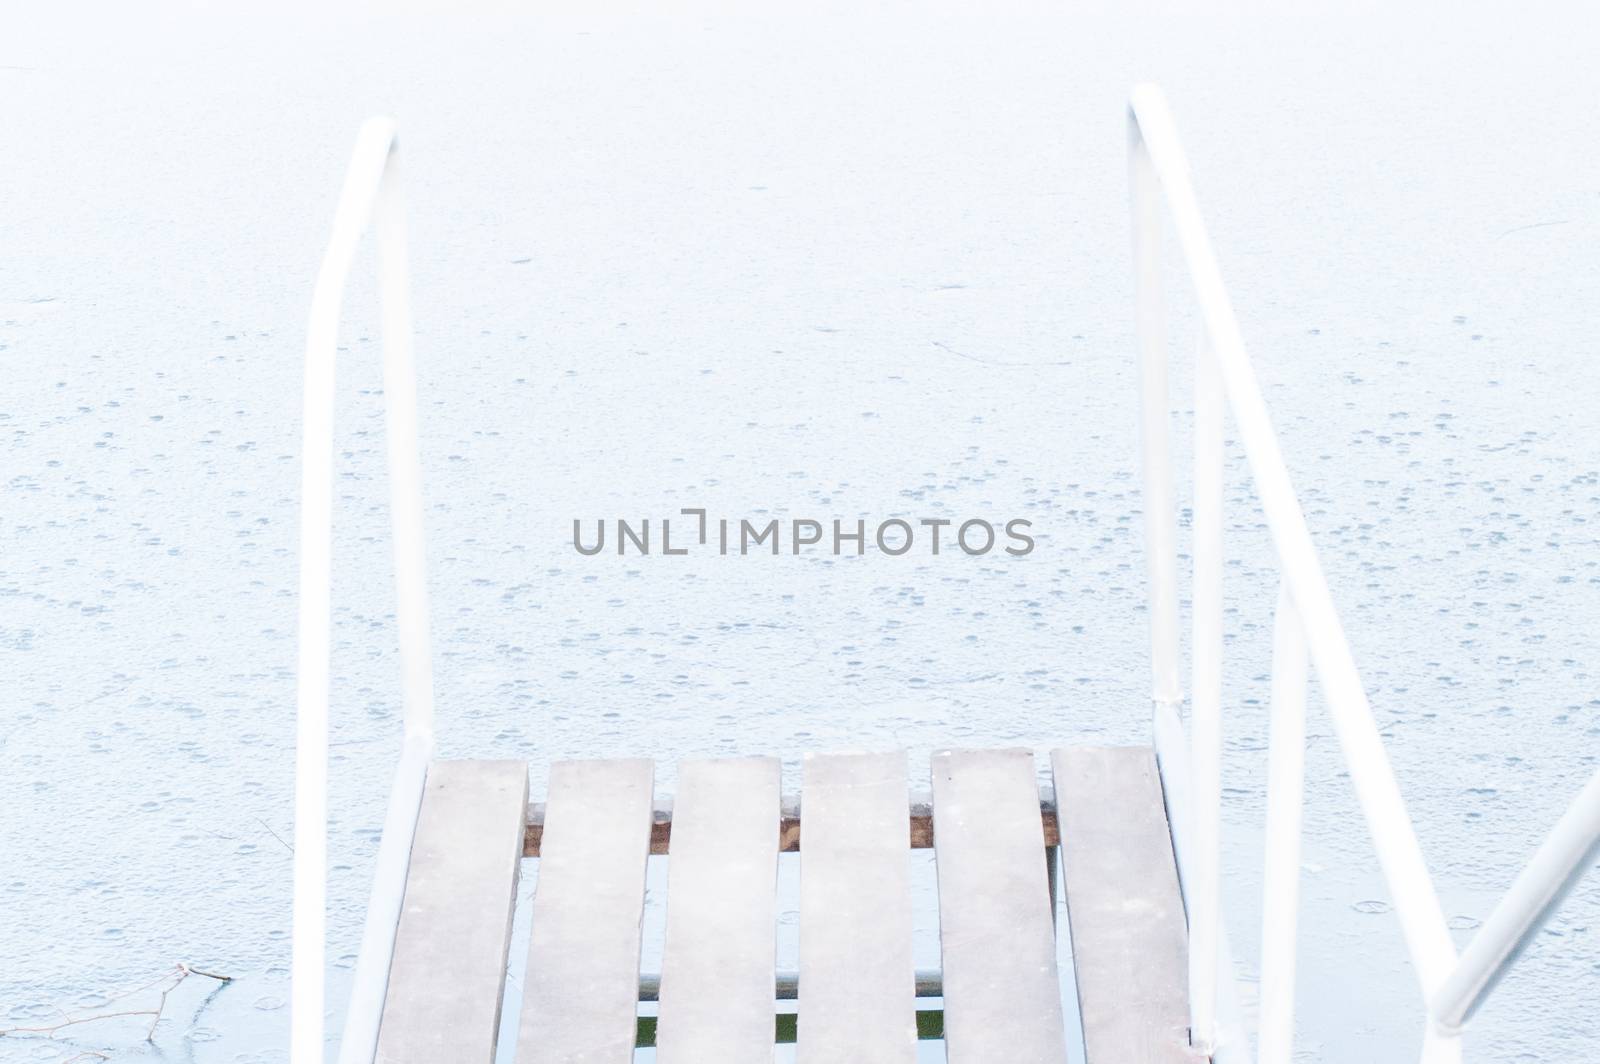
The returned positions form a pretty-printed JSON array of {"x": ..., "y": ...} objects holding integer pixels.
[
  {"x": 372, "y": 192},
  {"x": 1307, "y": 631}
]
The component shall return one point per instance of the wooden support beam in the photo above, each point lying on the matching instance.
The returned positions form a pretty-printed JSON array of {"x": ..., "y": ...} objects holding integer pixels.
[
  {"x": 1129, "y": 938},
  {"x": 449, "y": 969},
  {"x": 719, "y": 957},
  {"x": 1002, "y": 996},
  {"x": 580, "y": 994},
  {"x": 919, "y": 816},
  {"x": 859, "y": 1002}
]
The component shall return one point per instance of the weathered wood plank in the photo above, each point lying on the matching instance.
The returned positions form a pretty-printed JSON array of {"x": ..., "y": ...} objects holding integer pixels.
[
  {"x": 920, "y": 815},
  {"x": 1002, "y": 996},
  {"x": 449, "y": 966},
  {"x": 580, "y": 1001},
  {"x": 1129, "y": 938},
  {"x": 857, "y": 976},
  {"x": 718, "y": 964}
]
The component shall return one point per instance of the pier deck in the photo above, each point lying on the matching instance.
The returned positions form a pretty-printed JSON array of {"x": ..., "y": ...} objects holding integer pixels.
[{"x": 995, "y": 840}]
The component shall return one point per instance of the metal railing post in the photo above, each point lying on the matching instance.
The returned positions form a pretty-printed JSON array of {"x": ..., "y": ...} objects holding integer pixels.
[
  {"x": 1205, "y": 698},
  {"x": 1417, "y": 906},
  {"x": 1160, "y": 517},
  {"x": 1280, "y": 885},
  {"x": 1440, "y": 1047},
  {"x": 405, "y": 462},
  {"x": 371, "y": 192}
]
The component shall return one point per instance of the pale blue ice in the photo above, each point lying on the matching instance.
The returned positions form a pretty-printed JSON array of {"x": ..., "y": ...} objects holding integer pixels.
[{"x": 872, "y": 264}]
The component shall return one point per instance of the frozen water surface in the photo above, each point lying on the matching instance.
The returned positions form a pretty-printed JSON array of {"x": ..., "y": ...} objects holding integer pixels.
[{"x": 854, "y": 266}]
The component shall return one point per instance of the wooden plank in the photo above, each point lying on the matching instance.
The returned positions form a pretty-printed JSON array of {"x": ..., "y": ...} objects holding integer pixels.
[
  {"x": 449, "y": 967},
  {"x": 1002, "y": 997},
  {"x": 921, "y": 817},
  {"x": 718, "y": 965},
  {"x": 857, "y": 976},
  {"x": 1129, "y": 937},
  {"x": 580, "y": 1002}
]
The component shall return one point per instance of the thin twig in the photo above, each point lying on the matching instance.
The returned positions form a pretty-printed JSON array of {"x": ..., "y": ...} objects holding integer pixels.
[
  {"x": 275, "y": 835},
  {"x": 168, "y": 980},
  {"x": 192, "y": 970},
  {"x": 51, "y": 1031}
]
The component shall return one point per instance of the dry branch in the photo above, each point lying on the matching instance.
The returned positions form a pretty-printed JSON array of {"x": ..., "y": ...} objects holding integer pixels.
[{"x": 168, "y": 981}]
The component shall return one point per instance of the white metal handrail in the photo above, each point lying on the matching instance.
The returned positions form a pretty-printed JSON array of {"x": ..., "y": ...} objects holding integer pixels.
[
  {"x": 372, "y": 192},
  {"x": 1306, "y": 632}
]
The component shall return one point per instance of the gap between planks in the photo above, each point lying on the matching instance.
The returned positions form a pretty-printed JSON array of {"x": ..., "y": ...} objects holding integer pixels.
[{"x": 919, "y": 814}]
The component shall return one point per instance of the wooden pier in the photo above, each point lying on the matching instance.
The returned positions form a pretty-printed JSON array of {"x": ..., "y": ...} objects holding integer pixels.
[{"x": 994, "y": 840}]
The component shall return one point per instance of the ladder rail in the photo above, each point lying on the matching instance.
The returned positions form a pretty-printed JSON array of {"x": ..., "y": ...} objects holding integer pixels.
[
  {"x": 1307, "y": 629},
  {"x": 372, "y": 195}
]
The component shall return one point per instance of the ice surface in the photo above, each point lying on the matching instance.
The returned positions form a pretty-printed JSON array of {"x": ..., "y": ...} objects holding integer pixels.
[{"x": 859, "y": 265}]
